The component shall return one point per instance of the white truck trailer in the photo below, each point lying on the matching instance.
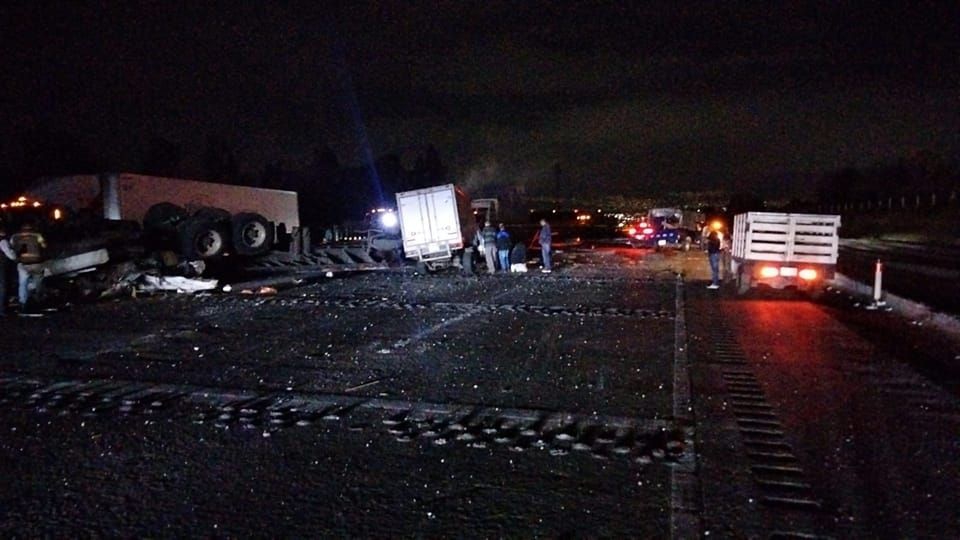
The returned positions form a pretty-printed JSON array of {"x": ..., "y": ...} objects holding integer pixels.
[
  {"x": 199, "y": 220},
  {"x": 435, "y": 225},
  {"x": 784, "y": 250}
]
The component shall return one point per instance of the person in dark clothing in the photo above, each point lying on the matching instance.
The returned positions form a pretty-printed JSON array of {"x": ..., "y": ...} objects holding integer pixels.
[
  {"x": 503, "y": 248},
  {"x": 7, "y": 256},
  {"x": 713, "y": 254},
  {"x": 546, "y": 236},
  {"x": 518, "y": 258}
]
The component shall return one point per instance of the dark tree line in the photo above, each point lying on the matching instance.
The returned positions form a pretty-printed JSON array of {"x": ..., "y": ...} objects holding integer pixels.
[{"x": 920, "y": 173}]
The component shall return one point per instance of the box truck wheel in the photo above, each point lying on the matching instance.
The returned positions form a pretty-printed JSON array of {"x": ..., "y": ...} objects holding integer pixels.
[
  {"x": 743, "y": 281},
  {"x": 252, "y": 233},
  {"x": 202, "y": 238}
]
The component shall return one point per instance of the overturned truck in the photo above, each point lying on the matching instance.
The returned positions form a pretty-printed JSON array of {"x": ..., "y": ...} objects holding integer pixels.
[
  {"x": 196, "y": 220},
  {"x": 110, "y": 224}
]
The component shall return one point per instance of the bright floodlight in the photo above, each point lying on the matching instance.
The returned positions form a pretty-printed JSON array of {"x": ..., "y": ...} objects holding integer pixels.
[{"x": 388, "y": 219}]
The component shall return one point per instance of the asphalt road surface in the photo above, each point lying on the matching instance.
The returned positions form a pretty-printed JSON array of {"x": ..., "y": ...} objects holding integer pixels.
[{"x": 614, "y": 397}]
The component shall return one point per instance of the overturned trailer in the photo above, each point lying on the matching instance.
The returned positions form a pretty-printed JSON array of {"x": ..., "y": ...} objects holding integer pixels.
[
  {"x": 102, "y": 225},
  {"x": 114, "y": 228},
  {"x": 197, "y": 220}
]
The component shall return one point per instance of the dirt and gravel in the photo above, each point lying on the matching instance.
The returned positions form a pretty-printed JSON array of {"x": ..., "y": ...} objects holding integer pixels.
[{"x": 610, "y": 398}]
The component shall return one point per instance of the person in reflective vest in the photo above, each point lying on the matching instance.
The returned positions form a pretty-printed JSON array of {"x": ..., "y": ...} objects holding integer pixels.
[{"x": 28, "y": 244}]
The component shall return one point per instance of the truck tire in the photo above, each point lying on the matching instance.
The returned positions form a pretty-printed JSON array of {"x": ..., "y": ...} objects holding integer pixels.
[
  {"x": 252, "y": 234},
  {"x": 815, "y": 291},
  {"x": 743, "y": 282},
  {"x": 163, "y": 217},
  {"x": 467, "y": 266},
  {"x": 202, "y": 238}
]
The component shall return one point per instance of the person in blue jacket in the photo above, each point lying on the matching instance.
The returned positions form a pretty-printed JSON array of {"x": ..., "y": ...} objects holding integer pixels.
[{"x": 503, "y": 248}]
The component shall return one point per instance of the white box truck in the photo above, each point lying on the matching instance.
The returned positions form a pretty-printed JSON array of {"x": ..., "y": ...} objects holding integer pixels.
[
  {"x": 784, "y": 250},
  {"x": 435, "y": 225}
]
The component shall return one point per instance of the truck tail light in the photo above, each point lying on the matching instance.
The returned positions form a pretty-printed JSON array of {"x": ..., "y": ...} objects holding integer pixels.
[
  {"x": 769, "y": 271},
  {"x": 808, "y": 274}
]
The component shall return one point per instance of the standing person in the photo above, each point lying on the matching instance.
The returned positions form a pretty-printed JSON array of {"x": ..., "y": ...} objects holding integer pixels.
[
  {"x": 6, "y": 256},
  {"x": 726, "y": 252},
  {"x": 713, "y": 254},
  {"x": 28, "y": 244},
  {"x": 490, "y": 246},
  {"x": 503, "y": 248},
  {"x": 545, "y": 241}
]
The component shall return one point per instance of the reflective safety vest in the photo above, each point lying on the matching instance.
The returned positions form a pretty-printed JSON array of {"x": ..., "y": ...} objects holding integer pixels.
[{"x": 28, "y": 246}]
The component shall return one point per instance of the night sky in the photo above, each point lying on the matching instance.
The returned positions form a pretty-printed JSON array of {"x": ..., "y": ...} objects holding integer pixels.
[{"x": 668, "y": 96}]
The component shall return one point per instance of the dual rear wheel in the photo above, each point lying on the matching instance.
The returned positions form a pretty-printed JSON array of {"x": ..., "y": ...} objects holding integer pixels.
[{"x": 210, "y": 233}]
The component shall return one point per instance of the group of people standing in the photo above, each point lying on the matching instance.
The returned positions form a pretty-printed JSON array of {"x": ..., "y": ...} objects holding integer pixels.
[
  {"x": 500, "y": 252},
  {"x": 496, "y": 247},
  {"x": 25, "y": 250}
]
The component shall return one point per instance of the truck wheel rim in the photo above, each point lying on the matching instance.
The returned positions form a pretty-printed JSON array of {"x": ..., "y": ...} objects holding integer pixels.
[
  {"x": 209, "y": 243},
  {"x": 253, "y": 235}
]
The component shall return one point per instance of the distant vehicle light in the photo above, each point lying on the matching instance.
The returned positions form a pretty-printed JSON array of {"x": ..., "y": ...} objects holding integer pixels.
[
  {"x": 647, "y": 230},
  {"x": 23, "y": 201},
  {"x": 769, "y": 271},
  {"x": 808, "y": 274},
  {"x": 632, "y": 231},
  {"x": 716, "y": 225},
  {"x": 57, "y": 214}
]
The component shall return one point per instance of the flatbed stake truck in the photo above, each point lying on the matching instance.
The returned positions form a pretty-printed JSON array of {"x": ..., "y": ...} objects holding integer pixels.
[{"x": 784, "y": 250}]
